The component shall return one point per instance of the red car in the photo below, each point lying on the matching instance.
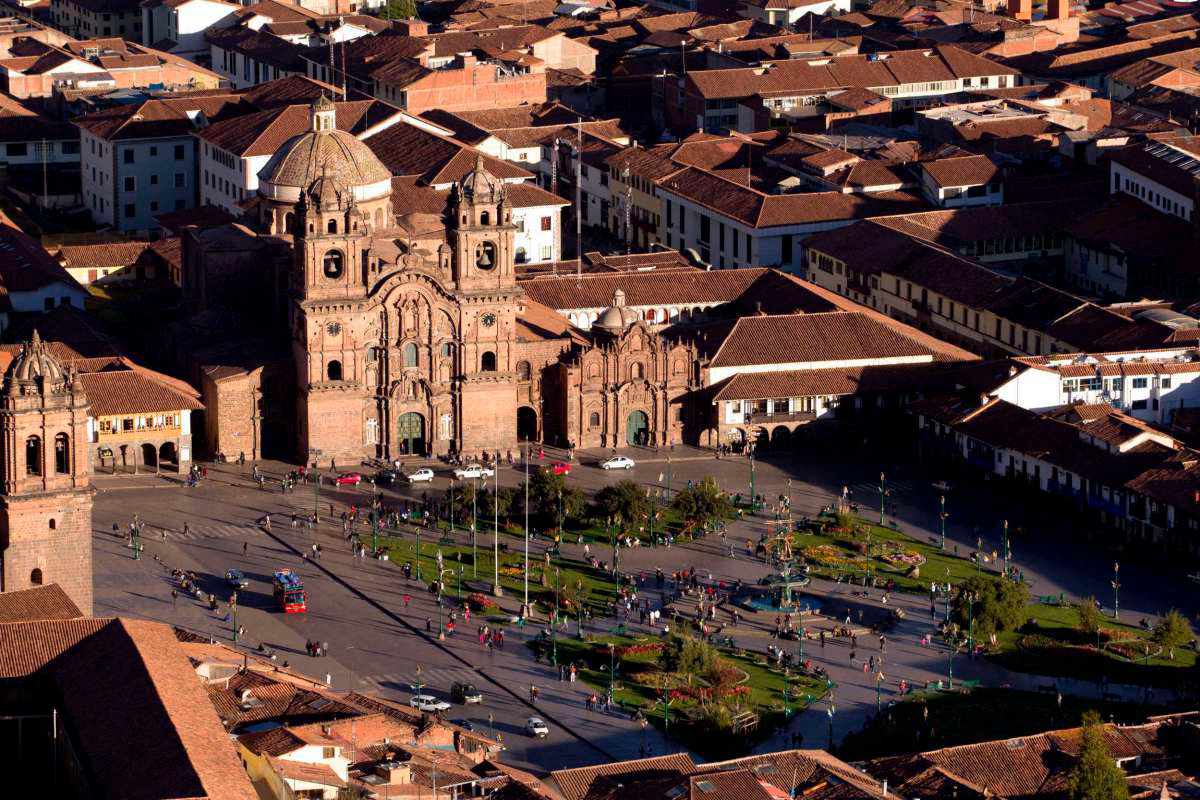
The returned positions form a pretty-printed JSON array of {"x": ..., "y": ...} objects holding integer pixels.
[
  {"x": 559, "y": 468},
  {"x": 348, "y": 479}
]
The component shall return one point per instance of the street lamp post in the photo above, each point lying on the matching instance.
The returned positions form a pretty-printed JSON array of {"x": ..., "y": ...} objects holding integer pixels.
[
  {"x": 374, "y": 531},
  {"x": 803, "y": 631},
  {"x": 878, "y": 690},
  {"x": 417, "y": 685},
  {"x": 753, "y": 496},
  {"x": 786, "y": 710},
  {"x": 418, "y": 553},
  {"x": 526, "y": 605},
  {"x": 943, "y": 516},
  {"x": 882, "y": 496},
  {"x": 441, "y": 605},
  {"x": 669, "y": 469},
  {"x": 950, "y": 666},
  {"x": 554, "y": 622},
  {"x": 233, "y": 613},
  {"x": 1116, "y": 584},
  {"x": 496, "y": 529},
  {"x": 612, "y": 669},
  {"x": 830, "y": 711},
  {"x": 1007, "y": 550},
  {"x": 970, "y": 598}
]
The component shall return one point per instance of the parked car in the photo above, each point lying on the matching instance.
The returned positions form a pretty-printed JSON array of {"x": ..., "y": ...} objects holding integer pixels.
[
  {"x": 474, "y": 471},
  {"x": 236, "y": 579},
  {"x": 465, "y": 724},
  {"x": 559, "y": 468},
  {"x": 944, "y": 486},
  {"x": 465, "y": 693},
  {"x": 427, "y": 702},
  {"x": 348, "y": 479},
  {"x": 618, "y": 462},
  {"x": 421, "y": 475},
  {"x": 385, "y": 477},
  {"x": 535, "y": 727}
]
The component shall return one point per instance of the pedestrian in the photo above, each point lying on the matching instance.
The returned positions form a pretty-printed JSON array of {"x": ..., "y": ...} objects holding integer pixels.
[
  {"x": 245, "y": 548},
  {"x": 407, "y": 600},
  {"x": 822, "y": 640},
  {"x": 174, "y": 596},
  {"x": 186, "y": 528}
]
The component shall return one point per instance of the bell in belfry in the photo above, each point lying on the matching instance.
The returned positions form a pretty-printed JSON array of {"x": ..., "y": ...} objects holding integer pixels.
[{"x": 485, "y": 258}]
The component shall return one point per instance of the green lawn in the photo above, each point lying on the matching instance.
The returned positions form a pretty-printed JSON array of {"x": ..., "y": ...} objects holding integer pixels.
[
  {"x": 850, "y": 544},
  {"x": 638, "y": 681},
  {"x": 597, "y": 587},
  {"x": 944, "y": 719},
  {"x": 1052, "y": 644}
]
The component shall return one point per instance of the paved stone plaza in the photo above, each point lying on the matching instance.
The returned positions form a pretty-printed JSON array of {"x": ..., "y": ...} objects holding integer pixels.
[{"x": 376, "y": 641}]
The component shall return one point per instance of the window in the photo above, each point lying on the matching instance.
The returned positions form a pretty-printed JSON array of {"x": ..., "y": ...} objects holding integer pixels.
[
  {"x": 1139, "y": 383},
  {"x": 331, "y": 226},
  {"x": 179, "y": 152},
  {"x": 447, "y": 349},
  {"x": 130, "y": 211},
  {"x": 35, "y": 577},
  {"x": 127, "y": 155},
  {"x": 410, "y": 355},
  {"x": 62, "y": 454},
  {"x": 178, "y": 180},
  {"x": 130, "y": 184},
  {"x": 1165, "y": 381},
  {"x": 334, "y": 371},
  {"x": 487, "y": 362},
  {"x": 524, "y": 371},
  {"x": 17, "y": 149},
  {"x": 786, "y": 249},
  {"x": 594, "y": 420},
  {"x": 636, "y": 371},
  {"x": 33, "y": 456},
  {"x": 154, "y": 180},
  {"x": 546, "y": 223},
  {"x": 329, "y": 752}
]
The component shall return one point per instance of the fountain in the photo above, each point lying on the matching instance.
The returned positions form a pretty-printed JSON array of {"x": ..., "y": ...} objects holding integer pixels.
[{"x": 781, "y": 595}]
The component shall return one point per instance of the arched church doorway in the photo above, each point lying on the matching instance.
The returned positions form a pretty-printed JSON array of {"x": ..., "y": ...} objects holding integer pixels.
[
  {"x": 167, "y": 456},
  {"x": 150, "y": 455},
  {"x": 637, "y": 428},
  {"x": 527, "y": 424},
  {"x": 410, "y": 434}
]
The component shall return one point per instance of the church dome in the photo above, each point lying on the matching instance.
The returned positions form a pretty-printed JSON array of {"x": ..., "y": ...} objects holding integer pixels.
[
  {"x": 324, "y": 151},
  {"x": 33, "y": 362},
  {"x": 616, "y": 317},
  {"x": 481, "y": 186}
]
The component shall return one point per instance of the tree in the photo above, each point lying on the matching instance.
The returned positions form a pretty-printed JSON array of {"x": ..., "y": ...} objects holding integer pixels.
[
  {"x": 702, "y": 503},
  {"x": 686, "y": 655},
  {"x": 1096, "y": 775},
  {"x": 1172, "y": 631},
  {"x": 545, "y": 489},
  {"x": 1089, "y": 617},
  {"x": 624, "y": 501},
  {"x": 399, "y": 9},
  {"x": 507, "y": 497},
  {"x": 999, "y": 604},
  {"x": 459, "y": 497}
]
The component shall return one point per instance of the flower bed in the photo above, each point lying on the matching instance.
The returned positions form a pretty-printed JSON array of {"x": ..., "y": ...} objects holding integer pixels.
[
  {"x": 481, "y": 602},
  {"x": 638, "y": 648},
  {"x": 907, "y": 558}
]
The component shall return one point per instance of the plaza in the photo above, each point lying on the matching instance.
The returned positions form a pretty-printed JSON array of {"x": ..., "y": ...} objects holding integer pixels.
[{"x": 378, "y": 627}]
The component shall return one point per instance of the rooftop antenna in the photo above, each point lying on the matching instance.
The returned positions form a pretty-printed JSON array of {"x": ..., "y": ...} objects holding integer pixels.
[{"x": 332, "y": 74}]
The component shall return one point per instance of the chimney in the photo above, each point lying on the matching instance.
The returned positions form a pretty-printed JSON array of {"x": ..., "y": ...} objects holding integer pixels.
[
  {"x": 1021, "y": 9},
  {"x": 412, "y": 27},
  {"x": 466, "y": 60},
  {"x": 1058, "y": 9}
]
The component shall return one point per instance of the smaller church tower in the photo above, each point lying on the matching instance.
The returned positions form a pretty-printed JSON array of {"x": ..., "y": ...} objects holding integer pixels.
[{"x": 45, "y": 489}]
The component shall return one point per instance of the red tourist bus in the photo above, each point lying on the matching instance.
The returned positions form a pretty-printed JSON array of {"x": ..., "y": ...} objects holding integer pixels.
[{"x": 289, "y": 591}]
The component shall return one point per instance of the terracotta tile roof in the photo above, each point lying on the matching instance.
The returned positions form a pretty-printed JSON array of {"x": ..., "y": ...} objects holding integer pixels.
[
  {"x": 25, "y": 266},
  {"x": 265, "y": 132},
  {"x": 320, "y": 774},
  {"x": 744, "y": 287},
  {"x": 762, "y": 210},
  {"x": 410, "y": 151},
  {"x": 290, "y": 90},
  {"x": 800, "y": 76},
  {"x": 37, "y": 603},
  {"x": 134, "y": 392},
  {"x": 1166, "y": 162},
  {"x": 101, "y": 256},
  {"x": 835, "y": 336},
  {"x": 260, "y": 46},
  {"x": 961, "y": 171},
  {"x": 574, "y": 784}
]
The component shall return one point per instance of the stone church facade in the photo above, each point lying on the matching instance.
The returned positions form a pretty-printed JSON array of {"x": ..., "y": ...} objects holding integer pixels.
[{"x": 411, "y": 335}]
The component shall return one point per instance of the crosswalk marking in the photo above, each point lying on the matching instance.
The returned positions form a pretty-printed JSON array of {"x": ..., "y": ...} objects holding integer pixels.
[
  {"x": 864, "y": 491},
  {"x": 206, "y": 532},
  {"x": 436, "y": 680}
]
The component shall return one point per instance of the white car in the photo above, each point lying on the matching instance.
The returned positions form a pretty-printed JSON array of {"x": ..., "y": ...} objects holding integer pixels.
[
  {"x": 423, "y": 474},
  {"x": 944, "y": 486},
  {"x": 618, "y": 462},
  {"x": 536, "y": 728},
  {"x": 427, "y": 702},
  {"x": 474, "y": 471}
]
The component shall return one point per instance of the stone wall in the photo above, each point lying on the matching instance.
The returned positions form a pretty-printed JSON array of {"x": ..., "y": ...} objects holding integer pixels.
[{"x": 62, "y": 553}]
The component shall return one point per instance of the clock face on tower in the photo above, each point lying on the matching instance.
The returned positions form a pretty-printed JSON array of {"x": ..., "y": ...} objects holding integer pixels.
[{"x": 488, "y": 320}]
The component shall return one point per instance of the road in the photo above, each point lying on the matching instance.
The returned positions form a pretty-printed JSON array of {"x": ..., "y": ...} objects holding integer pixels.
[{"x": 376, "y": 640}]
